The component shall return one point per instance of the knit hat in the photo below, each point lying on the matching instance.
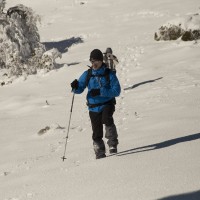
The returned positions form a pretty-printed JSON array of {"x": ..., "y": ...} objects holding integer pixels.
[{"x": 96, "y": 54}]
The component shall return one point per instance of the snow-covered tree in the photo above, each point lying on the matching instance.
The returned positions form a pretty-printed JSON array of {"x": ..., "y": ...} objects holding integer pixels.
[
  {"x": 21, "y": 51},
  {"x": 2, "y": 5}
]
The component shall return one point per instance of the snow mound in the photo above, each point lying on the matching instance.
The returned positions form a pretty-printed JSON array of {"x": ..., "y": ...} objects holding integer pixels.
[{"x": 187, "y": 28}]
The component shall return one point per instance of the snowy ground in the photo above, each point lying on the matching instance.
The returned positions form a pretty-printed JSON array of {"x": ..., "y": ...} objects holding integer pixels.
[{"x": 157, "y": 114}]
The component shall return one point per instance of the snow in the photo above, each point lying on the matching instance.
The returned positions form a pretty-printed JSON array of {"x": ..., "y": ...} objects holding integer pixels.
[
  {"x": 157, "y": 114},
  {"x": 188, "y": 22}
]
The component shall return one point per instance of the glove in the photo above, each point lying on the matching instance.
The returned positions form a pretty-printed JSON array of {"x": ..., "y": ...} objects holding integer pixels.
[
  {"x": 74, "y": 84},
  {"x": 95, "y": 92}
]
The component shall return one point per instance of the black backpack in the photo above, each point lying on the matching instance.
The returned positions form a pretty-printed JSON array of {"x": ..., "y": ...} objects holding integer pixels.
[{"x": 106, "y": 75}]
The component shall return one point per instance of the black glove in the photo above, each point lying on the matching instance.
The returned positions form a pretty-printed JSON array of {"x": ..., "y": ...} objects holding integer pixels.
[
  {"x": 74, "y": 84},
  {"x": 95, "y": 92}
]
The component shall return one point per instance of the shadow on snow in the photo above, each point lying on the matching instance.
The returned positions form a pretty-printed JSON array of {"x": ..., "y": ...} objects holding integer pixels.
[
  {"x": 63, "y": 45},
  {"x": 186, "y": 196},
  {"x": 160, "y": 145},
  {"x": 142, "y": 83}
]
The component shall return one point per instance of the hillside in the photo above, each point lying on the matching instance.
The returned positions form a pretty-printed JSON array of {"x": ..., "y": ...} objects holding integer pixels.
[{"x": 157, "y": 113}]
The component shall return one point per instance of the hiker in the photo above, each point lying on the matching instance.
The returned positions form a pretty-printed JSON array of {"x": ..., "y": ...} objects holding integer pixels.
[
  {"x": 103, "y": 87},
  {"x": 110, "y": 60}
]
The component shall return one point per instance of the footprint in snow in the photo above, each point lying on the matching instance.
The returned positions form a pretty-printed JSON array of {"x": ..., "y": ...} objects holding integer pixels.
[
  {"x": 52, "y": 127},
  {"x": 137, "y": 115},
  {"x": 55, "y": 147},
  {"x": 77, "y": 128},
  {"x": 5, "y": 173},
  {"x": 29, "y": 195}
]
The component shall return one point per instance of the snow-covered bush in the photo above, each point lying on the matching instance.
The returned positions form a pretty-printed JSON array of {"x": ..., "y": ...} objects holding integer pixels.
[
  {"x": 21, "y": 52},
  {"x": 2, "y": 5},
  {"x": 187, "y": 28},
  {"x": 48, "y": 59}
]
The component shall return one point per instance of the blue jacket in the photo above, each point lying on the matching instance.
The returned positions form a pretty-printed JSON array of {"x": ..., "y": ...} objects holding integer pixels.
[{"x": 107, "y": 91}]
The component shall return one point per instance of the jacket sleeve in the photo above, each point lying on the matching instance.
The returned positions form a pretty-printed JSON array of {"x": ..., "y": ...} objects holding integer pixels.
[
  {"x": 114, "y": 90},
  {"x": 81, "y": 83}
]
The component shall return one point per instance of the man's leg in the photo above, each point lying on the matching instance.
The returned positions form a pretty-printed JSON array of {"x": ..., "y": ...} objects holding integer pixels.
[
  {"x": 97, "y": 127},
  {"x": 111, "y": 131}
]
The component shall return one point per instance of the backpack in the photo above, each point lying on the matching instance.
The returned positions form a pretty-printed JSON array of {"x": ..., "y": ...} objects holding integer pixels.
[{"x": 106, "y": 75}]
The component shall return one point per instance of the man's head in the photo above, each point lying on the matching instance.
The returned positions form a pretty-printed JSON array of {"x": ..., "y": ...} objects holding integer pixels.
[{"x": 96, "y": 58}]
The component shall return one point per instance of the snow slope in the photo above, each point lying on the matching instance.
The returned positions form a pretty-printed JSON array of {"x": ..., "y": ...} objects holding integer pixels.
[{"x": 157, "y": 114}]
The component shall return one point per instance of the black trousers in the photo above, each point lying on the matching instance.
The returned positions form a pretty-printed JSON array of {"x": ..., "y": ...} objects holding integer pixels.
[{"x": 98, "y": 119}]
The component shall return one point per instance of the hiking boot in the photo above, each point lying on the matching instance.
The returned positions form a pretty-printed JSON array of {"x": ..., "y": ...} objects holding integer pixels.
[
  {"x": 100, "y": 156},
  {"x": 112, "y": 136},
  {"x": 99, "y": 149},
  {"x": 113, "y": 149}
]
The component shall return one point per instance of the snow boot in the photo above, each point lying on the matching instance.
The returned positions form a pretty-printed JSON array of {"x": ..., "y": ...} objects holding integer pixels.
[
  {"x": 100, "y": 156},
  {"x": 112, "y": 136},
  {"x": 113, "y": 149},
  {"x": 99, "y": 149}
]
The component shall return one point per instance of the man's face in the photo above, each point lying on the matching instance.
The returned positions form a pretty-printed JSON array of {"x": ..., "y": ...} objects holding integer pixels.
[{"x": 96, "y": 64}]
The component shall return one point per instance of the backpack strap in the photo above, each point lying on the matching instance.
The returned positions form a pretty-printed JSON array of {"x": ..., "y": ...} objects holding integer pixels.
[
  {"x": 106, "y": 75},
  {"x": 89, "y": 74}
]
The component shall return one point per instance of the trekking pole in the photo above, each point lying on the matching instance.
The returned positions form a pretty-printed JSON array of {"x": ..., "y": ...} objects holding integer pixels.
[{"x": 63, "y": 158}]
